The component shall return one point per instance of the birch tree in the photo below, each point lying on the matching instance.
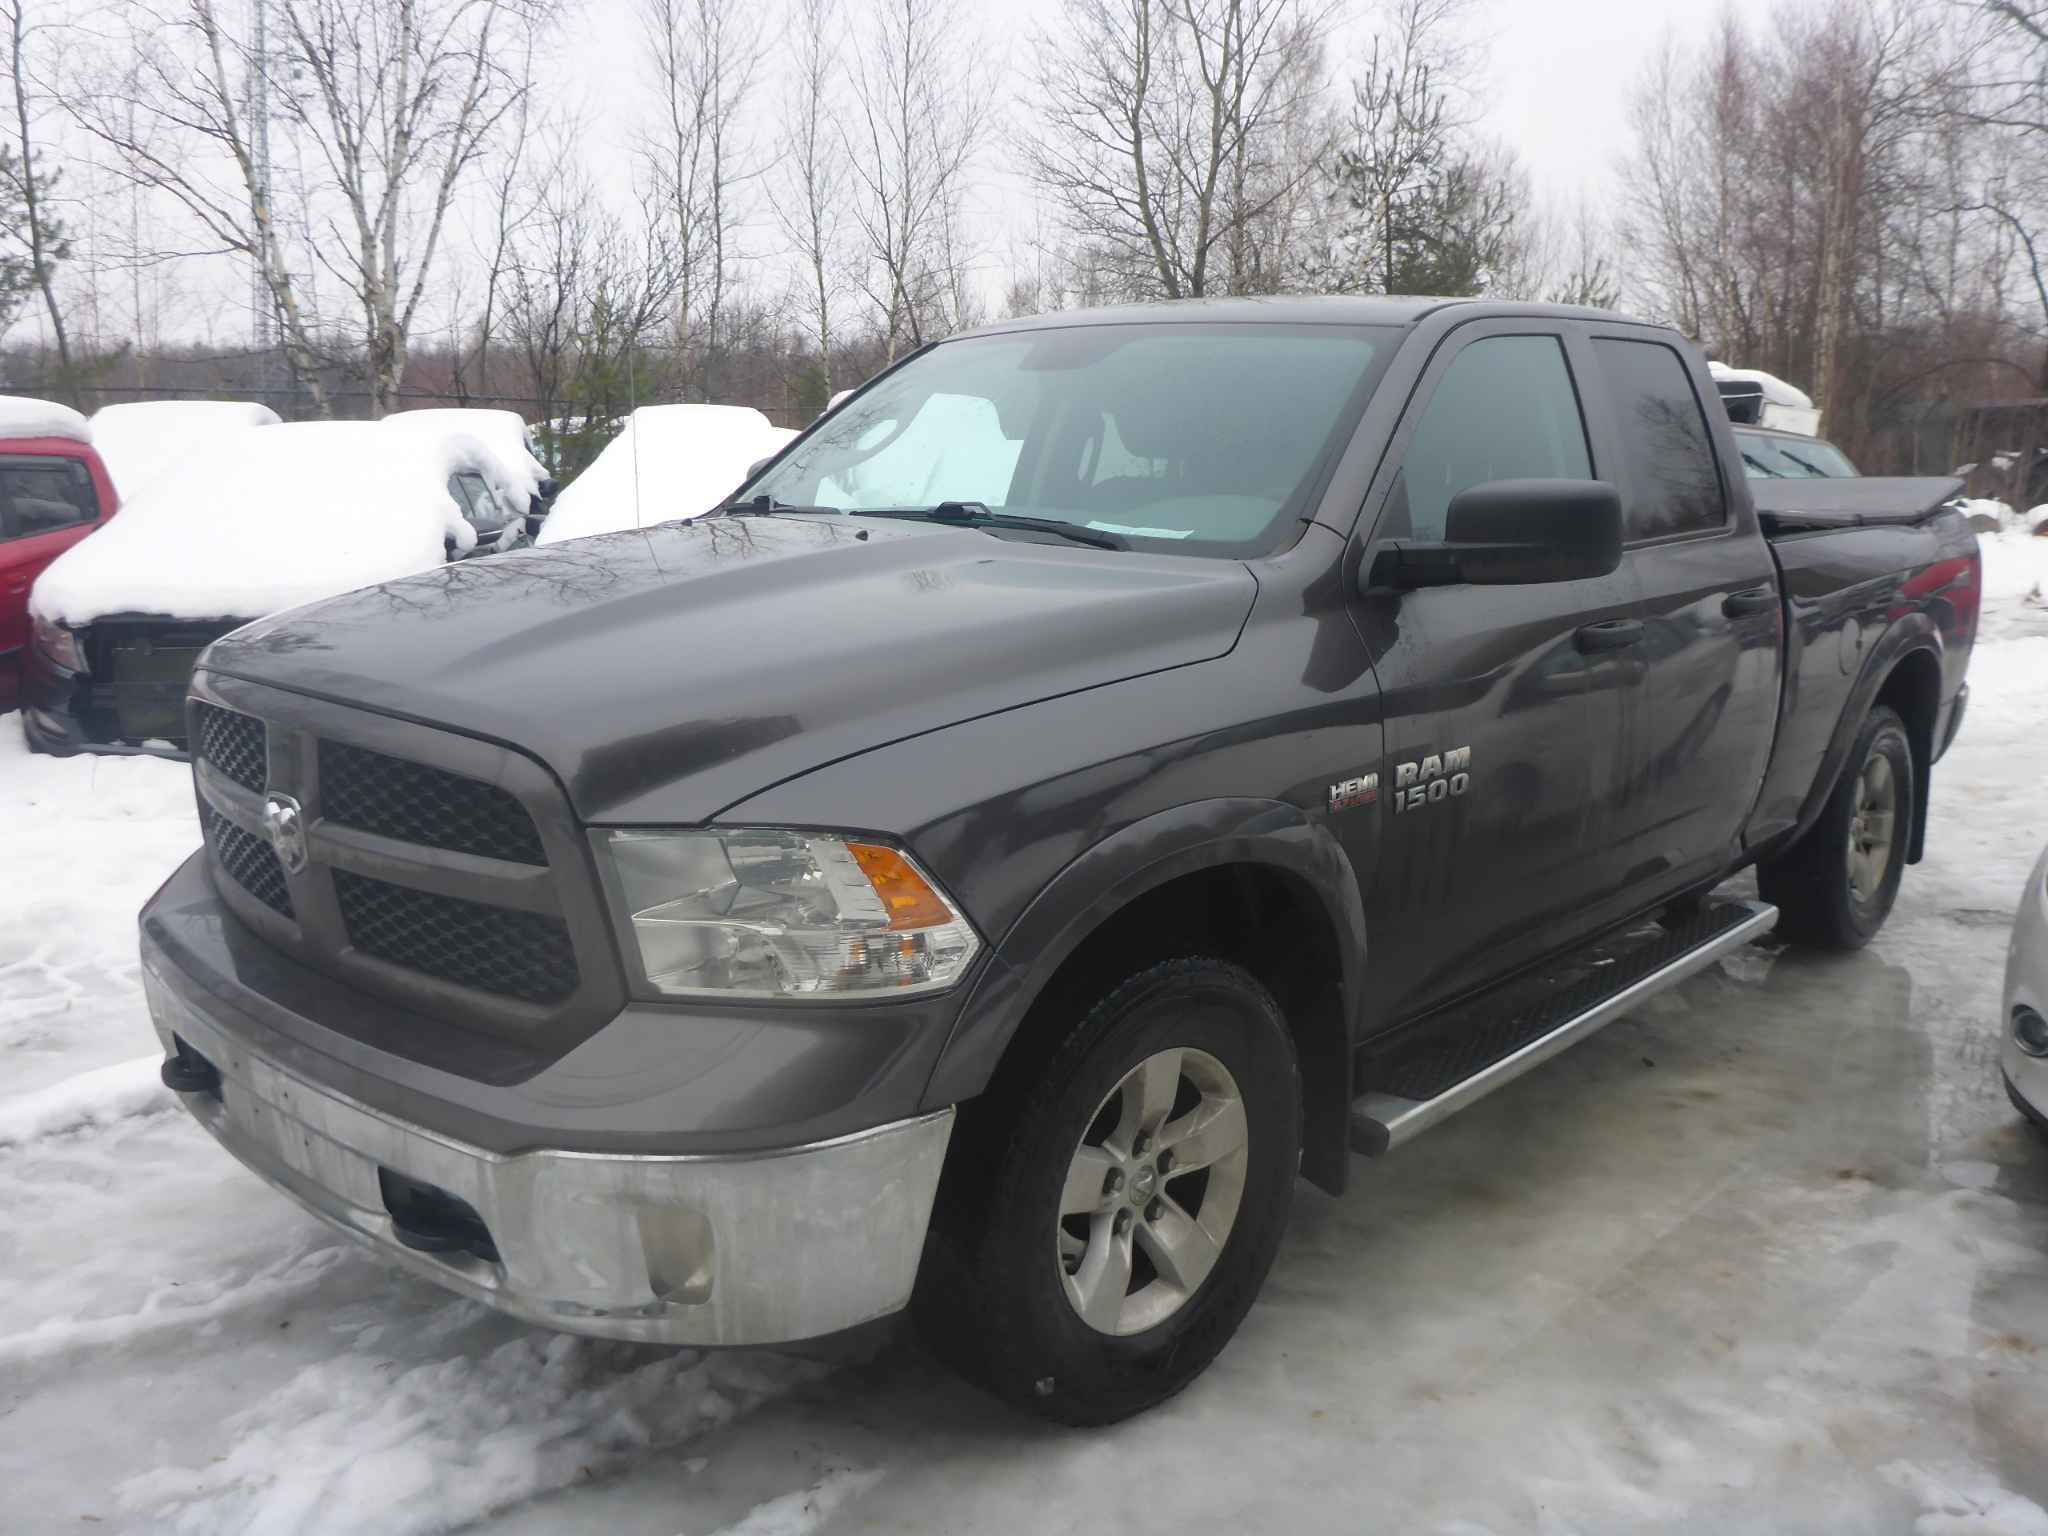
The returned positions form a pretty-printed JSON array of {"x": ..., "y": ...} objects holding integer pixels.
[
  {"x": 703, "y": 55},
  {"x": 918, "y": 119}
]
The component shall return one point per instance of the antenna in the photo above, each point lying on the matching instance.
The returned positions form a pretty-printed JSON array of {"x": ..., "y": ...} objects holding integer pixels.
[{"x": 632, "y": 410}]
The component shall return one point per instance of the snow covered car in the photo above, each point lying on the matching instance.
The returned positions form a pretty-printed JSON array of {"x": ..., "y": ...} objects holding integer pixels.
[
  {"x": 669, "y": 461},
  {"x": 2023, "y": 1057},
  {"x": 505, "y": 433},
  {"x": 1754, "y": 398},
  {"x": 142, "y": 439},
  {"x": 296, "y": 513},
  {"x": 54, "y": 490}
]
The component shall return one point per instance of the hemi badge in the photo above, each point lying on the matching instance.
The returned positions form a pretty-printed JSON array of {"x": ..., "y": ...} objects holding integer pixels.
[{"x": 1353, "y": 793}]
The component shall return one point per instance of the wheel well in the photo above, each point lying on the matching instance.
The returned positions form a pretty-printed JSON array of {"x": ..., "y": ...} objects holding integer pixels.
[
  {"x": 1265, "y": 919},
  {"x": 1913, "y": 688}
]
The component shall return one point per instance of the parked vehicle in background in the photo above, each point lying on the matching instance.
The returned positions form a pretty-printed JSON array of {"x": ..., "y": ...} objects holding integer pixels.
[
  {"x": 1758, "y": 399},
  {"x": 142, "y": 439},
  {"x": 2023, "y": 1025},
  {"x": 296, "y": 512},
  {"x": 505, "y": 433},
  {"x": 1280, "y": 723},
  {"x": 54, "y": 490},
  {"x": 1772, "y": 455},
  {"x": 668, "y": 461}
]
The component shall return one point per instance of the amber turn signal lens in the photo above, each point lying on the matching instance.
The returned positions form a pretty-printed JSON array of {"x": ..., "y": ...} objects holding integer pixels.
[{"x": 911, "y": 903}]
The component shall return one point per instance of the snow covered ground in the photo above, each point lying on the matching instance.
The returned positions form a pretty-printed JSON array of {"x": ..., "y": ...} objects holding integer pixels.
[{"x": 1771, "y": 1256}]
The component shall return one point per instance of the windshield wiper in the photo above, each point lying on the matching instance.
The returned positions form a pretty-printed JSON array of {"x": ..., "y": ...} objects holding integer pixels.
[
  {"x": 765, "y": 506},
  {"x": 975, "y": 514}
]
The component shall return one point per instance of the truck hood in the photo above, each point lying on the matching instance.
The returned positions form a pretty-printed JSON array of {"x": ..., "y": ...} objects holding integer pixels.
[{"x": 665, "y": 673}]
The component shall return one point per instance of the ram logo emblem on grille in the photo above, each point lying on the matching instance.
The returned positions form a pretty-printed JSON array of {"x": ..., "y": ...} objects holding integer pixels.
[{"x": 285, "y": 825}]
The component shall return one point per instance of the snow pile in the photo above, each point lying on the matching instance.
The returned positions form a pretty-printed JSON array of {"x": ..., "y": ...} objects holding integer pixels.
[
  {"x": 1984, "y": 513},
  {"x": 142, "y": 439},
  {"x": 294, "y": 513},
  {"x": 669, "y": 461},
  {"x": 2034, "y": 519},
  {"x": 363, "y": 1442},
  {"x": 98, "y": 1097},
  {"x": 25, "y": 416},
  {"x": 503, "y": 432}
]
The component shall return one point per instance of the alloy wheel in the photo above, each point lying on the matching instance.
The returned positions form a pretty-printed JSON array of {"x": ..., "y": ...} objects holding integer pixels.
[{"x": 1152, "y": 1192}]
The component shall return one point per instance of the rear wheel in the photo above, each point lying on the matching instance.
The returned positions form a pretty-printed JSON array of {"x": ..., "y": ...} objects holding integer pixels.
[
  {"x": 1836, "y": 885},
  {"x": 1096, "y": 1244}
]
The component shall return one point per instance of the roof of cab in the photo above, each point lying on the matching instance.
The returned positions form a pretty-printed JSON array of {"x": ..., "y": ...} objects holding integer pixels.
[{"x": 1295, "y": 309}]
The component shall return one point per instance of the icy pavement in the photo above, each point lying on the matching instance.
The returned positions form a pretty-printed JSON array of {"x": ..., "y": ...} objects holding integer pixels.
[{"x": 1771, "y": 1256}]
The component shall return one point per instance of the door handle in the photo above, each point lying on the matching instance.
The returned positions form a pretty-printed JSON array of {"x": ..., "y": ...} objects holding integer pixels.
[
  {"x": 1611, "y": 635},
  {"x": 1739, "y": 605}
]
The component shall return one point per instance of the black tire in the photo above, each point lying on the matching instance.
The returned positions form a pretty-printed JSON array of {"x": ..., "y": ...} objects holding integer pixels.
[
  {"x": 1810, "y": 884},
  {"x": 991, "y": 1296}
]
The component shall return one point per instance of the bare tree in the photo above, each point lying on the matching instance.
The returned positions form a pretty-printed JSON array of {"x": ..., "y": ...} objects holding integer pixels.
[
  {"x": 26, "y": 184},
  {"x": 918, "y": 119},
  {"x": 704, "y": 55},
  {"x": 396, "y": 100},
  {"x": 814, "y": 172},
  {"x": 1174, "y": 130}
]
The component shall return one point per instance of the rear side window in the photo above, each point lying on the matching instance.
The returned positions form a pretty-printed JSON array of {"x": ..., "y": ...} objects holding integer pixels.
[
  {"x": 43, "y": 495},
  {"x": 1504, "y": 410},
  {"x": 1674, "y": 482}
]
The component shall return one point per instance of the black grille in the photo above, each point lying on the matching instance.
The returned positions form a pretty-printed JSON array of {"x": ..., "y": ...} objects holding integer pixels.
[
  {"x": 233, "y": 743},
  {"x": 247, "y": 860},
  {"x": 418, "y": 804},
  {"x": 492, "y": 949}
]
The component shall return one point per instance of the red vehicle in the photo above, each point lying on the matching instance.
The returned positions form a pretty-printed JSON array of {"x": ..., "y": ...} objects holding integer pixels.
[{"x": 53, "y": 492}]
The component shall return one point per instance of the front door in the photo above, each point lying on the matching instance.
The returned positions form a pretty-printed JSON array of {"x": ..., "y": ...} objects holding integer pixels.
[{"x": 1507, "y": 708}]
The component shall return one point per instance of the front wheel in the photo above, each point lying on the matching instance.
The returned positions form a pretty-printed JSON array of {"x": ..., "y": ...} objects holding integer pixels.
[
  {"x": 1836, "y": 885},
  {"x": 1096, "y": 1245}
]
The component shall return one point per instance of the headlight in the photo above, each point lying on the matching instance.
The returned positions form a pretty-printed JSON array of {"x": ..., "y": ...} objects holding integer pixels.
[
  {"x": 59, "y": 644},
  {"x": 747, "y": 913}
]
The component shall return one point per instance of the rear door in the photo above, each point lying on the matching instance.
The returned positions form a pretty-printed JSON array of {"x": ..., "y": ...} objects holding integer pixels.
[
  {"x": 47, "y": 504},
  {"x": 1508, "y": 709},
  {"x": 1709, "y": 610}
]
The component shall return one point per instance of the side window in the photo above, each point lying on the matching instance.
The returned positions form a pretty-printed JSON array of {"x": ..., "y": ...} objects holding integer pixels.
[
  {"x": 1674, "y": 481},
  {"x": 1504, "y": 410},
  {"x": 476, "y": 501},
  {"x": 44, "y": 496}
]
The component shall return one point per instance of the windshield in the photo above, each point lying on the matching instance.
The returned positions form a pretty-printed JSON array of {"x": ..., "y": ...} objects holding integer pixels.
[
  {"x": 1780, "y": 458},
  {"x": 1209, "y": 439}
]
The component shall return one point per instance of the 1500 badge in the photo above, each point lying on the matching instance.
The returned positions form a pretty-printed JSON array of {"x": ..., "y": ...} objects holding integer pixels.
[{"x": 1439, "y": 776}]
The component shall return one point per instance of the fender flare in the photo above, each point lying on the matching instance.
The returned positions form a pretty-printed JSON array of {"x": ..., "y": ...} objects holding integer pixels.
[
  {"x": 1109, "y": 876},
  {"x": 1912, "y": 633}
]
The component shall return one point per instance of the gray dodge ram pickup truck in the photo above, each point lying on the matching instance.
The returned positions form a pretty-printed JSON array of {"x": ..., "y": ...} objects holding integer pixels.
[{"x": 1111, "y": 765}]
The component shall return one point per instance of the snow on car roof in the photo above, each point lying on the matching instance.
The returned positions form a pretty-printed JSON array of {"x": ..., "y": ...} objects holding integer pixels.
[
  {"x": 669, "y": 461},
  {"x": 141, "y": 439},
  {"x": 26, "y": 416},
  {"x": 1775, "y": 389},
  {"x": 503, "y": 432},
  {"x": 271, "y": 519}
]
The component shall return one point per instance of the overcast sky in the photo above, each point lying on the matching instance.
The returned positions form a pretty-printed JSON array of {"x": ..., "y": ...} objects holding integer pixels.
[{"x": 1560, "y": 73}]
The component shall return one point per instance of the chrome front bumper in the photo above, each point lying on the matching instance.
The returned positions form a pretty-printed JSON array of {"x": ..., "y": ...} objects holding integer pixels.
[
  {"x": 763, "y": 1248},
  {"x": 2026, "y": 986}
]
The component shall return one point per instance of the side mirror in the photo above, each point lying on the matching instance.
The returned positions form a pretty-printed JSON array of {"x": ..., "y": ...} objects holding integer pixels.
[
  {"x": 756, "y": 467},
  {"x": 1513, "y": 532},
  {"x": 550, "y": 488}
]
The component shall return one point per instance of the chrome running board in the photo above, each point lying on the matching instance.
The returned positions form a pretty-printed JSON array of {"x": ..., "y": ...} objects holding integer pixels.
[{"x": 1429, "y": 1075}]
